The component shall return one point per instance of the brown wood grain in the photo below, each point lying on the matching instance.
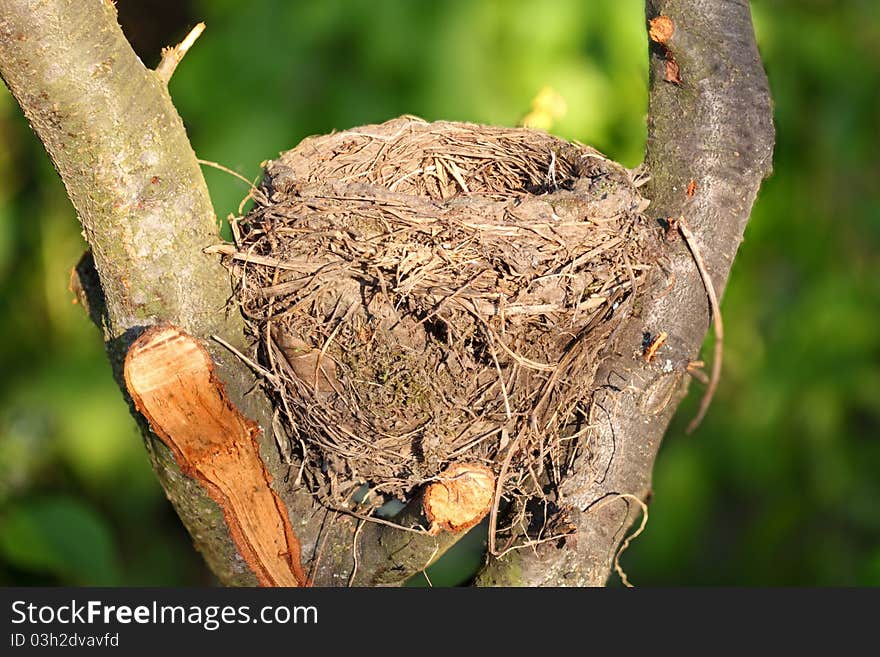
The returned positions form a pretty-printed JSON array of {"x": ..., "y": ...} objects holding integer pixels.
[
  {"x": 460, "y": 498},
  {"x": 171, "y": 379}
]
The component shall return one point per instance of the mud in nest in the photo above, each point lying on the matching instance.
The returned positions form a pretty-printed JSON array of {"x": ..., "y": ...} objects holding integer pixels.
[{"x": 423, "y": 294}]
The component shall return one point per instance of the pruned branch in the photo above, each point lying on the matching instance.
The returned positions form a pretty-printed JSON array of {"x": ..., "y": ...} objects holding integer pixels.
[
  {"x": 121, "y": 150},
  {"x": 710, "y": 121},
  {"x": 173, "y": 384},
  {"x": 116, "y": 140}
]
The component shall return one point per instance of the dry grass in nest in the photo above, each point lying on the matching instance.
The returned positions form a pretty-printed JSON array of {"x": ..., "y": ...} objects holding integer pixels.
[{"x": 431, "y": 293}]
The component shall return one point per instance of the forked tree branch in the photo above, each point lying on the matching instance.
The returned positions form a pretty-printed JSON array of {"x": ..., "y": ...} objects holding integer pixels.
[
  {"x": 710, "y": 143},
  {"x": 115, "y": 138}
]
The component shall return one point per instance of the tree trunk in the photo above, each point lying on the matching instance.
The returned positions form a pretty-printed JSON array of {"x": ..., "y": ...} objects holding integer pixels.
[
  {"x": 114, "y": 136},
  {"x": 710, "y": 143}
]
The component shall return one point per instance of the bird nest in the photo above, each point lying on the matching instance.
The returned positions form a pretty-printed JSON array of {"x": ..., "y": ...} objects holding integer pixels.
[{"x": 428, "y": 294}]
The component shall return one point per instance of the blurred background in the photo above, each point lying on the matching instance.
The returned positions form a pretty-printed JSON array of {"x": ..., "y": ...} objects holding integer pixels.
[{"x": 781, "y": 484}]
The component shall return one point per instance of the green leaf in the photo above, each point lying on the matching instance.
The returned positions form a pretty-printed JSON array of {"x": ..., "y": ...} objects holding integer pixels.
[{"x": 59, "y": 536}]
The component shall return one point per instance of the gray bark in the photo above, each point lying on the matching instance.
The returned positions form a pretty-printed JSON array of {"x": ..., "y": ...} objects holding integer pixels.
[
  {"x": 714, "y": 128},
  {"x": 121, "y": 150},
  {"x": 120, "y": 147}
]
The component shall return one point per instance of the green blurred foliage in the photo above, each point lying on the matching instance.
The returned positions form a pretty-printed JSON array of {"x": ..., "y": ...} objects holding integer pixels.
[
  {"x": 59, "y": 536},
  {"x": 779, "y": 486}
]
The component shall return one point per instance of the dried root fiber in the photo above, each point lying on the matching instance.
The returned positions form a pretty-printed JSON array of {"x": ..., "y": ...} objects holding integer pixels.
[{"x": 426, "y": 294}]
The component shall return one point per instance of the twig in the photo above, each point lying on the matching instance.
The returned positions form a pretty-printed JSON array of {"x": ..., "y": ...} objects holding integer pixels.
[
  {"x": 629, "y": 539},
  {"x": 320, "y": 551},
  {"x": 220, "y": 167},
  {"x": 171, "y": 56},
  {"x": 424, "y": 570},
  {"x": 354, "y": 552},
  {"x": 693, "y": 368},
  {"x": 225, "y": 169},
  {"x": 256, "y": 367},
  {"x": 717, "y": 323},
  {"x": 379, "y": 521},
  {"x": 522, "y": 360},
  {"x": 499, "y": 487},
  {"x": 319, "y": 369},
  {"x": 230, "y": 250},
  {"x": 532, "y": 543},
  {"x": 507, "y": 411}
]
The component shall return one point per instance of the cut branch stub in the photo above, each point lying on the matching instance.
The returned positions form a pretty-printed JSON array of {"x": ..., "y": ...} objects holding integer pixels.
[
  {"x": 661, "y": 29},
  {"x": 426, "y": 294},
  {"x": 171, "y": 380},
  {"x": 460, "y": 498}
]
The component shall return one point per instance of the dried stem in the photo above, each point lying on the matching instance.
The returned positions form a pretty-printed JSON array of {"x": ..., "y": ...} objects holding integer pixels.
[
  {"x": 171, "y": 57},
  {"x": 717, "y": 323},
  {"x": 710, "y": 123}
]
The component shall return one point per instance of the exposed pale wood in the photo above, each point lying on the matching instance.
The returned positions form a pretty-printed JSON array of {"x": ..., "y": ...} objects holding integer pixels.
[
  {"x": 171, "y": 57},
  {"x": 120, "y": 147},
  {"x": 460, "y": 498},
  {"x": 121, "y": 150},
  {"x": 171, "y": 380}
]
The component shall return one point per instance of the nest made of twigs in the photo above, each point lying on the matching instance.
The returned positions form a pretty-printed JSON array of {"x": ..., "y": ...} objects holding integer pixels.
[{"x": 423, "y": 294}]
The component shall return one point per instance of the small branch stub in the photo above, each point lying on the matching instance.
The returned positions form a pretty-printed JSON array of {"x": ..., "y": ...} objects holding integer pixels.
[
  {"x": 171, "y": 57},
  {"x": 171, "y": 380},
  {"x": 661, "y": 29},
  {"x": 390, "y": 363},
  {"x": 461, "y": 497},
  {"x": 653, "y": 345}
]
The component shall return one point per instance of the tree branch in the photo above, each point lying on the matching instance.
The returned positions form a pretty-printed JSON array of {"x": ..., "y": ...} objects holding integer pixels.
[
  {"x": 121, "y": 150},
  {"x": 120, "y": 147},
  {"x": 710, "y": 122}
]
